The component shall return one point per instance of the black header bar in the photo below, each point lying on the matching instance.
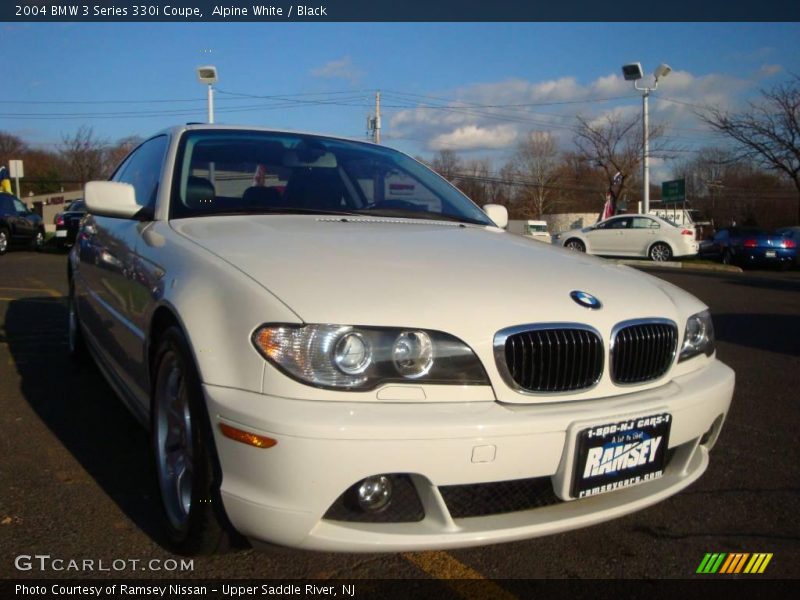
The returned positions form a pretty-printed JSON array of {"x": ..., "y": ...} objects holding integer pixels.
[{"x": 392, "y": 10}]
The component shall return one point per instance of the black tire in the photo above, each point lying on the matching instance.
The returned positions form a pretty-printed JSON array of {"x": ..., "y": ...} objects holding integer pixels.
[
  {"x": 75, "y": 341},
  {"x": 660, "y": 252},
  {"x": 194, "y": 518},
  {"x": 727, "y": 257},
  {"x": 37, "y": 243},
  {"x": 575, "y": 244},
  {"x": 5, "y": 240}
]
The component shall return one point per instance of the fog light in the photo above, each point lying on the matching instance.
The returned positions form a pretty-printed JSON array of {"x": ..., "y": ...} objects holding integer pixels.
[{"x": 375, "y": 493}]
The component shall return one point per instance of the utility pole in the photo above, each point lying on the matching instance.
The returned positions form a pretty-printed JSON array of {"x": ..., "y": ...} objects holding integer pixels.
[
  {"x": 374, "y": 121},
  {"x": 378, "y": 117},
  {"x": 633, "y": 72}
]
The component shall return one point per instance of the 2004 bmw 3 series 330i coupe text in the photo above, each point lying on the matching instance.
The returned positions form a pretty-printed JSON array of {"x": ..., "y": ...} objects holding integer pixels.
[{"x": 335, "y": 349}]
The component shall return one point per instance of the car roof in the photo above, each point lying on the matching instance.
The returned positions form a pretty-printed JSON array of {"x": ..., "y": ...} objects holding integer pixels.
[{"x": 178, "y": 129}]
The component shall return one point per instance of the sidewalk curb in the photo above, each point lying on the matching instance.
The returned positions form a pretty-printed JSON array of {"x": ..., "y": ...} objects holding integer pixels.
[{"x": 678, "y": 265}]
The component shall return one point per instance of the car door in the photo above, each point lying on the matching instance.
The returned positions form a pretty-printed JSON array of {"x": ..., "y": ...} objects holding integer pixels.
[
  {"x": 115, "y": 297},
  {"x": 23, "y": 228},
  {"x": 605, "y": 238},
  {"x": 640, "y": 237}
]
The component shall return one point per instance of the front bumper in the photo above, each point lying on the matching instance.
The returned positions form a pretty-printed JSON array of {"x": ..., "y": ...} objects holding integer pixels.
[{"x": 281, "y": 494}]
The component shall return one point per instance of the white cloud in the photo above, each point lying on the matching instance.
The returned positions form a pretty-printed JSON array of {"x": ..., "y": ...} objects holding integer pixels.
[
  {"x": 769, "y": 70},
  {"x": 492, "y": 116},
  {"x": 473, "y": 137},
  {"x": 342, "y": 68}
]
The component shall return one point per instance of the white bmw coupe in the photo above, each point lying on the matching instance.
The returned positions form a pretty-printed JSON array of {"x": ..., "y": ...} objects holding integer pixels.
[{"x": 335, "y": 349}]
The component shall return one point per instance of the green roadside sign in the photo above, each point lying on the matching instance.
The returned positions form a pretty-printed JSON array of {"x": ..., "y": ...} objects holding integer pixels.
[{"x": 673, "y": 192}]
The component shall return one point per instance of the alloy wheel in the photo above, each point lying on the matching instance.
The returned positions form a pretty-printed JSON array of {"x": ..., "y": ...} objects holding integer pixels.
[
  {"x": 174, "y": 454},
  {"x": 660, "y": 253}
]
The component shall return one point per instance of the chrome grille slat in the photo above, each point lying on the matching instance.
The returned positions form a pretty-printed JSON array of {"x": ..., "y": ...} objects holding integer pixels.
[
  {"x": 554, "y": 359},
  {"x": 643, "y": 351}
]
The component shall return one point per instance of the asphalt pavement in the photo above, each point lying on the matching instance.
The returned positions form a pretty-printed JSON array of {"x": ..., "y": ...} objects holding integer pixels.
[{"x": 76, "y": 482}]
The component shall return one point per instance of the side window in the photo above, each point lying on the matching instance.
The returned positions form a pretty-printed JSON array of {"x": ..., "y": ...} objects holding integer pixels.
[
  {"x": 644, "y": 223},
  {"x": 142, "y": 170},
  {"x": 20, "y": 207},
  {"x": 624, "y": 223}
]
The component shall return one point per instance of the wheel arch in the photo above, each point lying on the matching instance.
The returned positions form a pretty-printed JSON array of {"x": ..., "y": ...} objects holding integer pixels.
[
  {"x": 662, "y": 241},
  {"x": 577, "y": 238},
  {"x": 164, "y": 317}
]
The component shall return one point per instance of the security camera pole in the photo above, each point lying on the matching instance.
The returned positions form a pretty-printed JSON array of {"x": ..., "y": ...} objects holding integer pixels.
[
  {"x": 633, "y": 72},
  {"x": 208, "y": 75}
]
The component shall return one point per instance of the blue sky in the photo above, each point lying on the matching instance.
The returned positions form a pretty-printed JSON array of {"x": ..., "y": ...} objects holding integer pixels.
[{"x": 329, "y": 72}]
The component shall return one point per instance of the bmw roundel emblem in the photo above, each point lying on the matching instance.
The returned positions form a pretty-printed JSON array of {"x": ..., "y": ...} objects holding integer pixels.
[{"x": 585, "y": 300}]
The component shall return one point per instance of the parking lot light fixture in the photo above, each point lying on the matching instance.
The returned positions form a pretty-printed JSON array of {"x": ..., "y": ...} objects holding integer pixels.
[
  {"x": 633, "y": 72},
  {"x": 208, "y": 74}
]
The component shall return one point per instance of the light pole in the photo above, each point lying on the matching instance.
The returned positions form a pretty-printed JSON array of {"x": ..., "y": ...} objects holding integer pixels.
[
  {"x": 208, "y": 75},
  {"x": 633, "y": 72}
]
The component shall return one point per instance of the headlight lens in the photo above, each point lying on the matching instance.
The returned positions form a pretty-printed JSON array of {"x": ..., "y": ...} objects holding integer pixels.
[
  {"x": 412, "y": 354},
  {"x": 352, "y": 354},
  {"x": 362, "y": 358},
  {"x": 698, "y": 337}
]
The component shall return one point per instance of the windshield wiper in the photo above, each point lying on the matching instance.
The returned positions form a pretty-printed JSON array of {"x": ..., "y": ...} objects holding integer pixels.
[{"x": 414, "y": 214}]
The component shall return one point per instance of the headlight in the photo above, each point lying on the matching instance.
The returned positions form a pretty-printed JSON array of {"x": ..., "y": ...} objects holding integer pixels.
[
  {"x": 698, "y": 337},
  {"x": 362, "y": 358}
]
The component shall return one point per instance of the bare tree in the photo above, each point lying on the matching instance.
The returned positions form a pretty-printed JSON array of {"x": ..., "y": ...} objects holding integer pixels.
[
  {"x": 446, "y": 163},
  {"x": 769, "y": 132},
  {"x": 116, "y": 153},
  {"x": 11, "y": 148},
  {"x": 83, "y": 154},
  {"x": 536, "y": 163},
  {"x": 615, "y": 144},
  {"x": 475, "y": 180}
]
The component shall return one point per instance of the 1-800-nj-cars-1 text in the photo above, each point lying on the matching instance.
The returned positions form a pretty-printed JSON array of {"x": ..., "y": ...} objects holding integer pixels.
[{"x": 334, "y": 349}]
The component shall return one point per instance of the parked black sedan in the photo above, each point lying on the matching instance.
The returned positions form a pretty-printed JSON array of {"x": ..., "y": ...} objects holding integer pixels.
[
  {"x": 18, "y": 225},
  {"x": 752, "y": 246},
  {"x": 68, "y": 222}
]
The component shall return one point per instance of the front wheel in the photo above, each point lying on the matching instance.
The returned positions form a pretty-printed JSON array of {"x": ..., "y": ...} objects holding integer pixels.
[
  {"x": 576, "y": 245},
  {"x": 38, "y": 241},
  {"x": 727, "y": 257},
  {"x": 185, "y": 458},
  {"x": 3, "y": 240},
  {"x": 660, "y": 252}
]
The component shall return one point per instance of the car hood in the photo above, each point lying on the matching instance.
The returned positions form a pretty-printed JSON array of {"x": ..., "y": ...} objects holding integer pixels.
[{"x": 427, "y": 274}]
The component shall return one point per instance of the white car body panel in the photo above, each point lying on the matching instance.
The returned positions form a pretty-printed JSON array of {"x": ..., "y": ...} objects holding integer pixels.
[{"x": 222, "y": 277}]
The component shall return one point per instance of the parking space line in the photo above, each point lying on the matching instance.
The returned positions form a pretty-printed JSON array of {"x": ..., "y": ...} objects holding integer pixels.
[{"x": 453, "y": 572}]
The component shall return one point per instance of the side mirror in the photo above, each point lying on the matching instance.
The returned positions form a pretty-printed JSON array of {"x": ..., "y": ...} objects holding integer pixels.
[
  {"x": 497, "y": 213},
  {"x": 111, "y": 199}
]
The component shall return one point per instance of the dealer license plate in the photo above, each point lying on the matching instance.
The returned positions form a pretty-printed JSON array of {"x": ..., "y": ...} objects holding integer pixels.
[{"x": 618, "y": 455}]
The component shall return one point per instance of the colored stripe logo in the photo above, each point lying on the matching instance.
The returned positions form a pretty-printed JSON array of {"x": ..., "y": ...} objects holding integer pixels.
[{"x": 734, "y": 563}]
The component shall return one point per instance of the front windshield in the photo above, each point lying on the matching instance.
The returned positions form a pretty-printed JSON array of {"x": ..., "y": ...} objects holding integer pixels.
[{"x": 235, "y": 172}]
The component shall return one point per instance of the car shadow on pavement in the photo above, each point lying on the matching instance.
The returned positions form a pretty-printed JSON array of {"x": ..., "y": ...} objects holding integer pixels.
[
  {"x": 770, "y": 332},
  {"x": 81, "y": 410}
]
